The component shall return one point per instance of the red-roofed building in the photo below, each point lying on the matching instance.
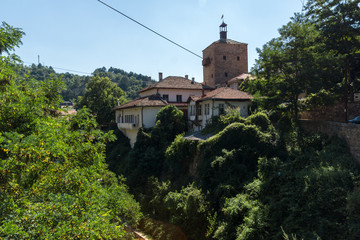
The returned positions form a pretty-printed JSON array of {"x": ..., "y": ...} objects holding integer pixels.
[
  {"x": 214, "y": 103},
  {"x": 142, "y": 112}
]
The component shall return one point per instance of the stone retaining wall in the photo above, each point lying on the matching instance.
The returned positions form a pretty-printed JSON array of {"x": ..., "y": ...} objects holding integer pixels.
[
  {"x": 332, "y": 113},
  {"x": 349, "y": 131}
]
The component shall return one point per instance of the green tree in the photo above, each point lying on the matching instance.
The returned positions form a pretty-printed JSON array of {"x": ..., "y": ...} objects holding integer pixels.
[
  {"x": 101, "y": 95},
  {"x": 170, "y": 122},
  {"x": 54, "y": 183},
  {"x": 148, "y": 156},
  {"x": 339, "y": 24},
  {"x": 292, "y": 64},
  {"x": 10, "y": 38}
]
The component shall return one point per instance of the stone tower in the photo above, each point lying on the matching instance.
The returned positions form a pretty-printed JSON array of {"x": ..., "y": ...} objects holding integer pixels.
[{"x": 224, "y": 59}]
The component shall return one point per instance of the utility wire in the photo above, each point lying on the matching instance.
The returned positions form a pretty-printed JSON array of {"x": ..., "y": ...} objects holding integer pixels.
[
  {"x": 149, "y": 29},
  {"x": 63, "y": 69}
]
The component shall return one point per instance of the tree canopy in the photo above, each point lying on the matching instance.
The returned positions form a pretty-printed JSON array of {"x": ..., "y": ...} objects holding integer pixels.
[
  {"x": 10, "y": 38},
  {"x": 101, "y": 96},
  {"x": 309, "y": 56},
  {"x": 54, "y": 183}
]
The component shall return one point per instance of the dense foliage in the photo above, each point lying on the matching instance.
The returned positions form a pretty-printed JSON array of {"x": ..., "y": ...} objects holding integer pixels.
[
  {"x": 54, "y": 183},
  {"x": 101, "y": 95},
  {"x": 314, "y": 54},
  {"x": 129, "y": 82},
  {"x": 147, "y": 157},
  {"x": 254, "y": 179}
]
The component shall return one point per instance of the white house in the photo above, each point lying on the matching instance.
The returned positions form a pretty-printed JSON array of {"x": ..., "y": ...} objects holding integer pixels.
[
  {"x": 202, "y": 109},
  {"x": 138, "y": 113},
  {"x": 142, "y": 112}
]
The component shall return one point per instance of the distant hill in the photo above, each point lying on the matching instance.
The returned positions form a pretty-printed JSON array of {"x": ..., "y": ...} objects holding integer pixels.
[{"x": 128, "y": 81}]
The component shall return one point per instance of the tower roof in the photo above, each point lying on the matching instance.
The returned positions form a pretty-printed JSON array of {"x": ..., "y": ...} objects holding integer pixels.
[{"x": 223, "y": 24}]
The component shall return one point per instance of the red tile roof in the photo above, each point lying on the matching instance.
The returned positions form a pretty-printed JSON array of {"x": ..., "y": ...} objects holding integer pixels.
[
  {"x": 178, "y": 104},
  {"x": 172, "y": 82},
  {"x": 228, "y": 41},
  {"x": 226, "y": 93},
  {"x": 149, "y": 101},
  {"x": 241, "y": 77},
  {"x": 193, "y": 98}
]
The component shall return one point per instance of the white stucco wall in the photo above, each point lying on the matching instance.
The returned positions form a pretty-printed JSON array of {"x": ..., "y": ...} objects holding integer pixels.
[
  {"x": 148, "y": 92},
  {"x": 131, "y": 134},
  {"x": 149, "y": 116},
  {"x": 129, "y": 111},
  {"x": 143, "y": 117}
]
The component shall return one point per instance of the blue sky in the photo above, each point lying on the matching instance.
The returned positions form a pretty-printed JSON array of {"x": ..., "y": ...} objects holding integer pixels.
[{"x": 83, "y": 35}]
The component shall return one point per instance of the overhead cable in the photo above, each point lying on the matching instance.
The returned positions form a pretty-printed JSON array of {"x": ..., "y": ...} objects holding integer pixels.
[
  {"x": 153, "y": 31},
  {"x": 63, "y": 69}
]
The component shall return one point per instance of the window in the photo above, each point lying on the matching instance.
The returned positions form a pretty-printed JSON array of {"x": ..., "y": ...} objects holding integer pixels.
[
  {"x": 226, "y": 74},
  {"x": 166, "y": 97},
  {"x": 178, "y": 98},
  {"x": 129, "y": 118},
  {"x": 221, "y": 109},
  {"x": 207, "y": 109},
  {"x": 238, "y": 58},
  {"x": 198, "y": 110},
  {"x": 192, "y": 110},
  {"x": 212, "y": 75},
  {"x": 224, "y": 57}
]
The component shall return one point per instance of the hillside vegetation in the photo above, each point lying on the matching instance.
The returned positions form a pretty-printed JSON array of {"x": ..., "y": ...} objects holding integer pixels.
[
  {"x": 75, "y": 84},
  {"x": 54, "y": 183},
  {"x": 255, "y": 178}
]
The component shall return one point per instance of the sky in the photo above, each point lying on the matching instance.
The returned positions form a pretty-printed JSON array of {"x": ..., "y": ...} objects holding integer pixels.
[{"x": 83, "y": 35}]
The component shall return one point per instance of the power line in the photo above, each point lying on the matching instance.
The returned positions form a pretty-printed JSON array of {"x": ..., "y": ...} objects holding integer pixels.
[
  {"x": 153, "y": 31},
  {"x": 74, "y": 71}
]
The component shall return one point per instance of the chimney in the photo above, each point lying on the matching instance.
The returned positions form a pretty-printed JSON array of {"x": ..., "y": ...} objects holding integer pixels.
[
  {"x": 192, "y": 80},
  {"x": 187, "y": 76},
  {"x": 149, "y": 81},
  {"x": 160, "y": 76}
]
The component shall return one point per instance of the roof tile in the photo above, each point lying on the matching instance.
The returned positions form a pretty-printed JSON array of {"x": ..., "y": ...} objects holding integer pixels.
[
  {"x": 149, "y": 101},
  {"x": 173, "y": 82},
  {"x": 226, "y": 93}
]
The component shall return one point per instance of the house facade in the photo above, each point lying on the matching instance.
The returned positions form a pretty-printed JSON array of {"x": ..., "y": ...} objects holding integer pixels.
[
  {"x": 202, "y": 109},
  {"x": 142, "y": 112},
  {"x": 136, "y": 114}
]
